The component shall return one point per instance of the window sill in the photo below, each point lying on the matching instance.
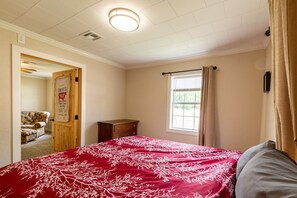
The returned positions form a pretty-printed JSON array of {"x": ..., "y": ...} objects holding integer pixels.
[{"x": 191, "y": 133}]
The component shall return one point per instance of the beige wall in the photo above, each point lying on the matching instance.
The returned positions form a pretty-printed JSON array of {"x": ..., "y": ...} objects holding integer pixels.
[
  {"x": 5, "y": 96},
  {"x": 238, "y": 99},
  {"x": 268, "y": 123},
  {"x": 105, "y": 90},
  {"x": 143, "y": 92},
  {"x": 34, "y": 94}
]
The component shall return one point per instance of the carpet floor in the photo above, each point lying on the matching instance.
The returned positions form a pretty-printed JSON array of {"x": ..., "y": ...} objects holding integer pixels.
[{"x": 41, "y": 146}]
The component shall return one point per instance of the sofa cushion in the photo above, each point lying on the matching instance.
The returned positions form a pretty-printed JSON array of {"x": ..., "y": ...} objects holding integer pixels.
[
  {"x": 31, "y": 117},
  {"x": 27, "y": 126},
  {"x": 270, "y": 173},
  {"x": 250, "y": 153},
  {"x": 26, "y": 132},
  {"x": 25, "y": 120}
]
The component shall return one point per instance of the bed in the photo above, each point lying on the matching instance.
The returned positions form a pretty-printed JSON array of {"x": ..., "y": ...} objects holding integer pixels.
[{"x": 133, "y": 166}]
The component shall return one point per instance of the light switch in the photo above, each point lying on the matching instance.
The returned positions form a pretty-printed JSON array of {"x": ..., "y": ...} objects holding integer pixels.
[{"x": 21, "y": 38}]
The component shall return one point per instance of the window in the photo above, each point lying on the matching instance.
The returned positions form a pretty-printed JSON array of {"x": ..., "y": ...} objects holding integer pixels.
[{"x": 185, "y": 95}]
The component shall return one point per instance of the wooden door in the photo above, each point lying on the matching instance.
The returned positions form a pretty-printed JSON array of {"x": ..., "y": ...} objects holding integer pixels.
[{"x": 66, "y": 110}]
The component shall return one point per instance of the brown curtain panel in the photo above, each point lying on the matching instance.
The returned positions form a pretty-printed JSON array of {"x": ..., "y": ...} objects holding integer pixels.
[
  {"x": 207, "y": 110},
  {"x": 283, "y": 22}
]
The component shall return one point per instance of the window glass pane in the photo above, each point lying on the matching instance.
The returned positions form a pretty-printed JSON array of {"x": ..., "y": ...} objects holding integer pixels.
[
  {"x": 196, "y": 124},
  {"x": 197, "y": 110},
  {"x": 178, "y": 96},
  {"x": 188, "y": 123},
  {"x": 177, "y": 122},
  {"x": 185, "y": 105},
  {"x": 190, "y": 96},
  {"x": 189, "y": 110},
  {"x": 198, "y": 96},
  {"x": 178, "y": 110}
]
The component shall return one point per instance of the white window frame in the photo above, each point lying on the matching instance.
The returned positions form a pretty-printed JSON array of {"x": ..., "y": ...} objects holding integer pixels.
[{"x": 169, "y": 105}]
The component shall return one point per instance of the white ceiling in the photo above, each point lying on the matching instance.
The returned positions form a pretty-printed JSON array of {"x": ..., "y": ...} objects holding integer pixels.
[
  {"x": 44, "y": 68},
  {"x": 169, "y": 29}
]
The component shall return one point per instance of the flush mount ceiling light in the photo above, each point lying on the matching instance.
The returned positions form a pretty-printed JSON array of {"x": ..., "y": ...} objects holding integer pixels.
[{"x": 124, "y": 19}]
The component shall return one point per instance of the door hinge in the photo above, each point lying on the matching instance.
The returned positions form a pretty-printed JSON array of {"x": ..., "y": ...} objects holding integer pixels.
[
  {"x": 76, "y": 117},
  {"x": 76, "y": 79}
]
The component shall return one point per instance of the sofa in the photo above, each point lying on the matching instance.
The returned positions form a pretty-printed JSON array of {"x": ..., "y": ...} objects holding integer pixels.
[{"x": 33, "y": 124}]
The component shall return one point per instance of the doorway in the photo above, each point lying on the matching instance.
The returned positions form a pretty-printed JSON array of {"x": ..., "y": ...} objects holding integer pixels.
[
  {"x": 17, "y": 53},
  {"x": 36, "y": 105}
]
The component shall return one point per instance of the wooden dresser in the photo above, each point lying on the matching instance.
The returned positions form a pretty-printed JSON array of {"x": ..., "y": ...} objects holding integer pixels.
[{"x": 116, "y": 128}]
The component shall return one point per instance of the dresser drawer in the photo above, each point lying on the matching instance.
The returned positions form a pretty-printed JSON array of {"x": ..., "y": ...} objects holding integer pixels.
[
  {"x": 116, "y": 128},
  {"x": 125, "y": 127},
  {"x": 123, "y": 134},
  {"x": 123, "y": 130}
]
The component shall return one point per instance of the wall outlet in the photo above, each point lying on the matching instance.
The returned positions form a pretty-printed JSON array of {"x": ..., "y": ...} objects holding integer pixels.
[{"x": 21, "y": 38}]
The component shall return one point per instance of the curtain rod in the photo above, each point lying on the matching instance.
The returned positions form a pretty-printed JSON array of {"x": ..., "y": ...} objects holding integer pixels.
[{"x": 165, "y": 73}]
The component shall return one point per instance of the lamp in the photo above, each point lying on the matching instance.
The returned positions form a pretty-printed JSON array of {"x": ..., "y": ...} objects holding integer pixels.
[{"x": 124, "y": 19}]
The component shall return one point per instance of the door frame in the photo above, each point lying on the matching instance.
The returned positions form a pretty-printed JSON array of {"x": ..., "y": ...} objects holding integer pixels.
[{"x": 17, "y": 51}]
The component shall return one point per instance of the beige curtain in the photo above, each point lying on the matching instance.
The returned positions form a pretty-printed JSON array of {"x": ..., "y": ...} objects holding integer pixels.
[
  {"x": 283, "y": 22},
  {"x": 207, "y": 110}
]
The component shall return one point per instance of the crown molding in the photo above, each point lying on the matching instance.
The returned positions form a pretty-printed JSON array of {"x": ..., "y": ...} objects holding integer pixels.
[
  {"x": 200, "y": 56},
  {"x": 33, "y": 35}
]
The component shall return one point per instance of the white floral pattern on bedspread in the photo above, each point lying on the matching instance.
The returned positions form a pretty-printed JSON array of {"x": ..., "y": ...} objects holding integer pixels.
[{"x": 126, "y": 167}]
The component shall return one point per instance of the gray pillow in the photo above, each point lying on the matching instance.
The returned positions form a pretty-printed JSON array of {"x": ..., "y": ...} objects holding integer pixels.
[
  {"x": 250, "y": 153},
  {"x": 270, "y": 173}
]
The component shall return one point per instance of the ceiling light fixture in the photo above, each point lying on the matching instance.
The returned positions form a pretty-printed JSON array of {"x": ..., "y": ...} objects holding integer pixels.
[{"x": 124, "y": 19}]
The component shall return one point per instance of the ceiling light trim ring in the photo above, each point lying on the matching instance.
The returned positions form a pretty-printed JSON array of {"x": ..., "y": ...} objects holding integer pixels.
[
  {"x": 124, "y": 12},
  {"x": 136, "y": 22}
]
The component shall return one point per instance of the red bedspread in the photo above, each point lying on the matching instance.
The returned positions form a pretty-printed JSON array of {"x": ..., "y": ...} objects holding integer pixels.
[{"x": 126, "y": 167}]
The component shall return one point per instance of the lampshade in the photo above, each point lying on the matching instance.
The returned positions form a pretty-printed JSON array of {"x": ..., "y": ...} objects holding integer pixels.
[{"x": 124, "y": 19}]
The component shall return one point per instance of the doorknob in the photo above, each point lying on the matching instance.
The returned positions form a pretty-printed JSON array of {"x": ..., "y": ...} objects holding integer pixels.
[{"x": 52, "y": 119}]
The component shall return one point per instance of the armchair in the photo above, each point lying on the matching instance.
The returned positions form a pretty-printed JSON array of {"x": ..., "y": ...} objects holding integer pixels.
[{"x": 33, "y": 124}]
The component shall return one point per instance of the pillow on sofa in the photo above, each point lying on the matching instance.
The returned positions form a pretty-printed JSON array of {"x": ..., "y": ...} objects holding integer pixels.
[
  {"x": 271, "y": 173},
  {"x": 250, "y": 153}
]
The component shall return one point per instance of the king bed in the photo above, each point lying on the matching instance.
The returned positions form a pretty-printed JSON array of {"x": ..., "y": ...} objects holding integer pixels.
[
  {"x": 133, "y": 166},
  {"x": 138, "y": 166}
]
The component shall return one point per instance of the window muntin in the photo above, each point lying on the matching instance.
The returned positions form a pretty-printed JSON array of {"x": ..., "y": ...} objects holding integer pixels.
[{"x": 185, "y": 102}]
